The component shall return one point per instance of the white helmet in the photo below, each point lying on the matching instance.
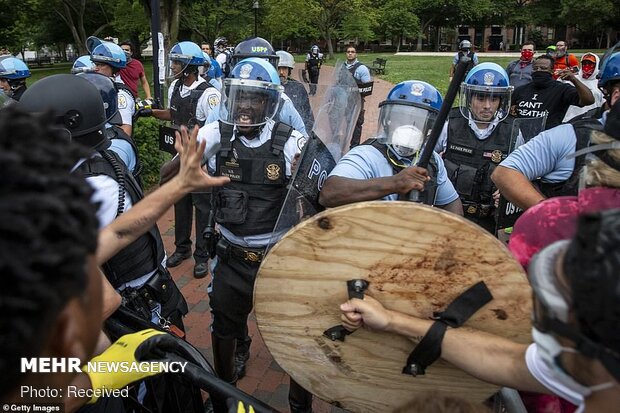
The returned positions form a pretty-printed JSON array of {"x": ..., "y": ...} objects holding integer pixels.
[
  {"x": 286, "y": 59},
  {"x": 465, "y": 44}
]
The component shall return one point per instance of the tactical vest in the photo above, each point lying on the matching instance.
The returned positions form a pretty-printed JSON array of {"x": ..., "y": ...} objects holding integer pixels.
[
  {"x": 116, "y": 132},
  {"x": 583, "y": 129},
  {"x": 430, "y": 189},
  {"x": 147, "y": 252},
  {"x": 183, "y": 110},
  {"x": 251, "y": 202},
  {"x": 471, "y": 161},
  {"x": 352, "y": 70},
  {"x": 470, "y": 64},
  {"x": 314, "y": 63}
]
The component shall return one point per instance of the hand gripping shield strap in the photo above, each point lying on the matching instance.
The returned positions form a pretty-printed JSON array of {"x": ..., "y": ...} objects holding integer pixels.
[{"x": 459, "y": 311}]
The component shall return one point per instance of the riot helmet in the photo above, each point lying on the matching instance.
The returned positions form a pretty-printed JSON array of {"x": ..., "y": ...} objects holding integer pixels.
[
  {"x": 110, "y": 54},
  {"x": 610, "y": 71},
  {"x": 255, "y": 47},
  {"x": 465, "y": 45},
  {"x": 108, "y": 93},
  {"x": 13, "y": 74},
  {"x": 184, "y": 58},
  {"x": 251, "y": 94},
  {"x": 485, "y": 93},
  {"x": 76, "y": 104},
  {"x": 13, "y": 68},
  {"x": 407, "y": 115},
  {"x": 83, "y": 64},
  {"x": 314, "y": 49},
  {"x": 285, "y": 59},
  {"x": 219, "y": 45}
]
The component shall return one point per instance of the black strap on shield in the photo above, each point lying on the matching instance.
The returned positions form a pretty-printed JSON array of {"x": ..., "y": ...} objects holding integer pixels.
[
  {"x": 226, "y": 133},
  {"x": 355, "y": 289},
  {"x": 459, "y": 311}
]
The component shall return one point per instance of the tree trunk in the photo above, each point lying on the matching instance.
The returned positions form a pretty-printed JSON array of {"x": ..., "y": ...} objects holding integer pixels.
[
  {"x": 400, "y": 40},
  {"x": 330, "y": 46}
]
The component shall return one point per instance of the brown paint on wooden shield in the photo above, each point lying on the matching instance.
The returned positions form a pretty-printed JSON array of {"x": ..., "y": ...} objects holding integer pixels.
[{"x": 417, "y": 260}]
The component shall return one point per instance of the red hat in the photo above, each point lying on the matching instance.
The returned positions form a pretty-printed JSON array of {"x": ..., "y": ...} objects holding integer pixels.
[{"x": 589, "y": 58}]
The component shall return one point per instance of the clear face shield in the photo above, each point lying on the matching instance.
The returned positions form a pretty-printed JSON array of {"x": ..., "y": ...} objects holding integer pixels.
[
  {"x": 404, "y": 127},
  {"x": 176, "y": 65},
  {"x": 485, "y": 104},
  {"x": 248, "y": 103}
]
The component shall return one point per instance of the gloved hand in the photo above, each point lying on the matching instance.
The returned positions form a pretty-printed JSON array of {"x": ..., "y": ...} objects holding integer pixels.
[
  {"x": 130, "y": 348},
  {"x": 144, "y": 113},
  {"x": 145, "y": 104}
]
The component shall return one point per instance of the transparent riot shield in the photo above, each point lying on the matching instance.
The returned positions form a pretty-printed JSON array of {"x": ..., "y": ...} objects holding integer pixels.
[
  {"x": 507, "y": 213},
  {"x": 336, "y": 106}
]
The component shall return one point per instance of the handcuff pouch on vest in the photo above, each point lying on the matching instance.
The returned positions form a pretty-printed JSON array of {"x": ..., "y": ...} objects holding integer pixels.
[
  {"x": 458, "y": 312},
  {"x": 231, "y": 206}
]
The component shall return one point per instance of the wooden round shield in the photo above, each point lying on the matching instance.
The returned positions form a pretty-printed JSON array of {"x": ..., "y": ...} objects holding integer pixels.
[{"x": 417, "y": 260}]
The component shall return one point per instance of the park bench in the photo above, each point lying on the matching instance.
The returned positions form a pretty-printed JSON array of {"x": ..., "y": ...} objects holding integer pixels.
[
  {"x": 378, "y": 66},
  {"x": 39, "y": 61}
]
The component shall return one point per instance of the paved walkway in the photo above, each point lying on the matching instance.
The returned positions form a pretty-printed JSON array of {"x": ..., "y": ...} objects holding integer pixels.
[{"x": 265, "y": 380}]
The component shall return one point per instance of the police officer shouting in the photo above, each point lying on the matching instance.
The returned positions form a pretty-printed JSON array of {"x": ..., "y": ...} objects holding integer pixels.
[
  {"x": 361, "y": 74},
  {"x": 476, "y": 138},
  {"x": 191, "y": 99},
  {"x": 256, "y": 153}
]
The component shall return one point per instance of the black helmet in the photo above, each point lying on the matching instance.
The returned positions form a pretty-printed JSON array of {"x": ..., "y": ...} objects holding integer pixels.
[
  {"x": 76, "y": 103},
  {"x": 255, "y": 47},
  {"x": 592, "y": 264}
]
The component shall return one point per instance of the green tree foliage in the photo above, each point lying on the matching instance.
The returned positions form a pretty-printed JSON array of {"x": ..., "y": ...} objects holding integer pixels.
[{"x": 399, "y": 20}]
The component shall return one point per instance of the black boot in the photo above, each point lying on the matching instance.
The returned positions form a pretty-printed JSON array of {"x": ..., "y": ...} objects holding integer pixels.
[
  {"x": 224, "y": 364},
  {"x": 242, "y": 355},
  {"x": 299, "y": 399}
]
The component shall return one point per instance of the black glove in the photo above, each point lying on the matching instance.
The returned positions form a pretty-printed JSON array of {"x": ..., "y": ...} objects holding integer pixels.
[{"x": 144, "y": 113}]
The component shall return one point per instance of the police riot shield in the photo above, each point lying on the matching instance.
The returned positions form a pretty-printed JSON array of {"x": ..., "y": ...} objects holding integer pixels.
[
  {"x": 412, "y": 258},
  {"x": 507, "y": 213},
  {"x": 336, "y": 106}
]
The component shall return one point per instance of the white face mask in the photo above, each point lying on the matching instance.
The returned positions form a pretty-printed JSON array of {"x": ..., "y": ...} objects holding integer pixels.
[
  {"x": 407, "y": 140},
  {"x": 550, "y": 350}
]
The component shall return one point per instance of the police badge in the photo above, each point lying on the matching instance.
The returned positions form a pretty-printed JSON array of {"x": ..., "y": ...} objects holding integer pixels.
[
  {"x": 245, "y": 71},
  {"x": 273, "y": 171},
  {"x": 489, "y": 77}
]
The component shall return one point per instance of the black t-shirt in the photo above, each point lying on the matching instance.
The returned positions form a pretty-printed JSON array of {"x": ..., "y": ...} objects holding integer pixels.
[{"x": 552, "y": 99}]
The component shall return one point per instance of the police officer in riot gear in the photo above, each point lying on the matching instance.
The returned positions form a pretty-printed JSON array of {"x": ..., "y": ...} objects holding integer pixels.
[
  {"x": 465, "y": 50},
  {"x": 256, "y": 153},
  {"x": 384, "y": 167},
  {"x": 120, "y": 143},
  {"x": 314, "y": 60},
  {"x": 361, "y": 74},
  {"x": 294, "y": 89},
  {"x": 476, "y": 138},
  {"x": 109, "y": 59},
  {"x": 13, "y": 75},
  {"x": 138, "y": 271},
  {"x": 261, "y": 48},
  {"x": 191, "y": 99}
]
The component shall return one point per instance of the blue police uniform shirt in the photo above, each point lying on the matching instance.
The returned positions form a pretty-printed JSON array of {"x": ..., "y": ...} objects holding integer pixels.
[
  {"x": 366, "y": 162},
  {"x": 362, "y": 73},
  {"x": 124, "y": 150},
  {"x": 544, "y": 156},
  {"x": 286, "y": 113},
  {"x": 474, "y": 59},
  {"x": 215, "y": 70}
]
